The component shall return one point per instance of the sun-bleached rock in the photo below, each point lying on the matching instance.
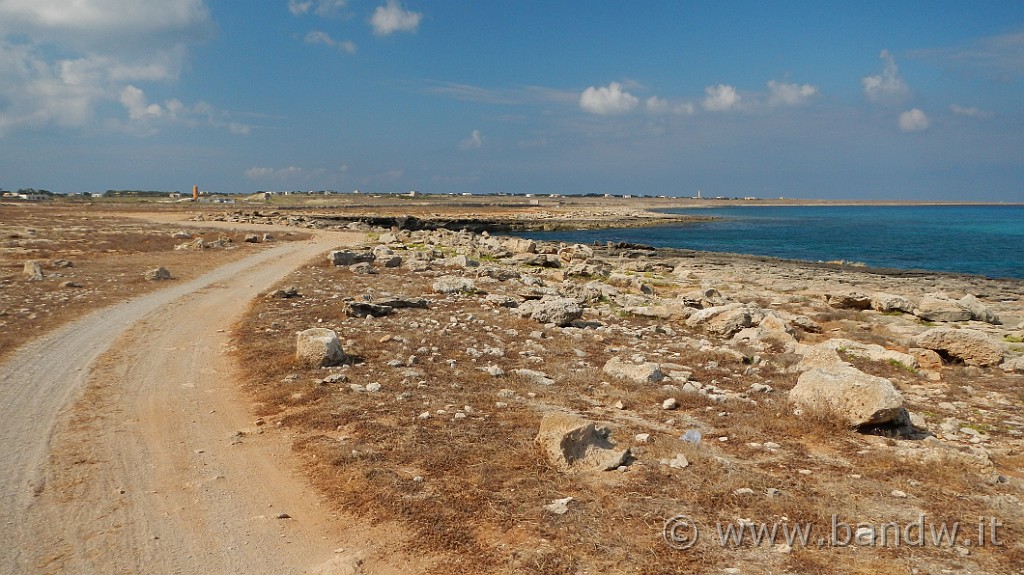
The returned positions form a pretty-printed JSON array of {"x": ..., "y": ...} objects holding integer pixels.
[
  {"x": 573, "y": 444},
  {"x": 647, "y": 372},
  {"x": 551, "y": 309},
  {"x": 318, "y": 347},
  {"x": 967, "y": 345},
  {"x": 848, "y": 393}
]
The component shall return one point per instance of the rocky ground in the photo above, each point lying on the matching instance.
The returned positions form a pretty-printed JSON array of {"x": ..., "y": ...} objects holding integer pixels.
[
  {"x": 526, "y": 407},
  {"x": 57, "y": 263}
]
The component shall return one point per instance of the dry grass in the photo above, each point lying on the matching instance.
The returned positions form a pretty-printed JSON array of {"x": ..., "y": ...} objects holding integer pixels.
[{"x": 471, "y": 486}]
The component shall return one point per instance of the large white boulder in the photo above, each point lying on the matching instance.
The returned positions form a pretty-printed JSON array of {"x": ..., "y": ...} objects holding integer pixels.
[
  {"x": 967, "y": 345},
  {"x": 318, "y": 346},
  {"x": 848, "y": 393}
]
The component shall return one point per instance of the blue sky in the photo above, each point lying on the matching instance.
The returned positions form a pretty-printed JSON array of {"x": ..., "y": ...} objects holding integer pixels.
[{"x": 859, "y": 100}]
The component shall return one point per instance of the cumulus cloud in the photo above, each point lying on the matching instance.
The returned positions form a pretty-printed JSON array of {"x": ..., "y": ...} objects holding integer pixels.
[
  {"x": 61, "y": 61},
  {"x": 889, "y": 86},
  {"x": 606, "y": 100},
  {"x": 324, "y": 8},
  {"x": 720, "y": 98},
  {"x": 783, "y": 94},
  {"x": 318, "y": 37},
  {"x": 475, "y": 140},
  {"x": 392, "y": 17},
  {"x": 914, "y": 121},
  {"x": 970, "y": 112}
]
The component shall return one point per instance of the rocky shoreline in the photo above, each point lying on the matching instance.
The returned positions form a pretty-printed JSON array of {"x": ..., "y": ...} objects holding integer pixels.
[
  {"x": 530, "y": 219},
  {"x": 557, "y": 384}
]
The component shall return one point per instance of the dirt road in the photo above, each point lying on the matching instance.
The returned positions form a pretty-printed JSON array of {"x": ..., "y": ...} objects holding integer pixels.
[{"x": 126, "y": 447}]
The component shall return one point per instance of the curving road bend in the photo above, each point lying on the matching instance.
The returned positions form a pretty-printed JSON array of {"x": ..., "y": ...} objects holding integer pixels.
[{"x": 120, "y": 449}]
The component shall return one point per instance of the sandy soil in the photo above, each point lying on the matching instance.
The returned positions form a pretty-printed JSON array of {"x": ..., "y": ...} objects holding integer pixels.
[{"x": 150, "y": 463}]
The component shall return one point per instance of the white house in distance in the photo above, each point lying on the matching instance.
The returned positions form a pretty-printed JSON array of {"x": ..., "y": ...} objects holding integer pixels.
[{"x": 27, "y": 196}]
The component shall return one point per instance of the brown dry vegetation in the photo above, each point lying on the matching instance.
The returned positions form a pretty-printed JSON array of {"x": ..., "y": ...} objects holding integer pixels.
[
  {"x": 467, "y": 484},
  {"x": 109, "y": 256}
]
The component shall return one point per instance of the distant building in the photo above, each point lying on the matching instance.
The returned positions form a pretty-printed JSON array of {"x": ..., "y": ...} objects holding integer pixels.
[
  {"x": 174, "y": 195},
  {"x": 31, "y": 196},
  {"x": 411, "y": 194}
]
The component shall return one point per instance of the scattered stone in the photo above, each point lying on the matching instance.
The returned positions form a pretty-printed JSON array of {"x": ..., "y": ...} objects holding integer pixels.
[
  {"x": 62, "y": 263},
  {"x": 33, "y": 271},
  {"x": 158, "y": 274},
  {"x": 677, "y": 462},
  {"x": 648, "y": 372},
  {"x": 573, "y": 444},
  {"x": 936, "y": 307},
  {"x": 889, "y": 303},
  {"x": 362, "y": 268},
  {"x": 536, "y": 377},
  {"x": 560, "y": 311},
  {"x": 252, "y": 238},
  {"x": 454, "y": 284},
  {"x": 559, "y": 506},
  {"x": 967, "y": 345},
  {"x": 367, "y": 309},
  {"x": 845, "y": 392},
  {"x": 285, "y": 293},
  {"x": 669, "y": 404},
  {"x": 70, "y": 284},
  {"x": 317, "y": 347},
  {"x": 849, "y": 300},
  {"x": 979, "y": 312},
  {"x": 348, "y": 258}
]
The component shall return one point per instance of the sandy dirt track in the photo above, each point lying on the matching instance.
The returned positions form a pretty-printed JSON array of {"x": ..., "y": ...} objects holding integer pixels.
[{"x": 120, "y": 449}]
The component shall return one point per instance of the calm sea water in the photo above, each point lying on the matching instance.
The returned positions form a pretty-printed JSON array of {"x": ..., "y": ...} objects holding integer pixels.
[{"x": 984, "y": 240}]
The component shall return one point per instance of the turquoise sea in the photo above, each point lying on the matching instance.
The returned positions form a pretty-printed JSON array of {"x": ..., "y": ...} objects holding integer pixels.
[{"x": 981, "y": 240}]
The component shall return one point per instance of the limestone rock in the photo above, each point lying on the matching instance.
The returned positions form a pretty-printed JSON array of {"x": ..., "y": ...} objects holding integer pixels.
[
  {"x": 453, "y": 284},
  {"x": 979, "y": 311},
  {"x": 318, "y": 347},
  {"x": 365, "y": 308},
  {"x": 551, "y": 309},
  {"x": 573, "y": 444},
  {"x": 536, "y": 377},
  {"x": 521, "y": 246},
  {"x": 348, "y": 258},
  {"x": 252, "y": 238},
  {"x": 157, "y": 274},
  {"x": 648, "y": 372},
  {"x": 843, "y": 390},
  {"x": 33, "y": 271},
  {"x": 967, "y": 345},
  {"x": 887, "y": 302},
  {"x": 1013, "y": 365},
  {"x": 936, "y": 307},
  {"x": 723, "y": 320},
  {"x": 848, "y": 300}
]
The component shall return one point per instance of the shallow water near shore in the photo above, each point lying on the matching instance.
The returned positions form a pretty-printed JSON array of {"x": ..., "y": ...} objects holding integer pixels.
[{"x": 982, "y": 240}]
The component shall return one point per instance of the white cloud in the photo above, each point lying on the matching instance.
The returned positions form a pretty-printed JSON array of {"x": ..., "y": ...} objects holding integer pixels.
[
  {"x": 475, "y": 140},
  {"x": 391, "y": 18},
  {"x": 781, "y": 93},
  {"x": 970, "y": 112},
  {"x": 914, "y": 121},
  {"x": 60, "y": 61},
  {"x": 134, "y": 100},
  {"x": 720, "y": 98},
  {"x": 887, "y": 87},
  {"x": 323, "y": 8},
  {"x": 656, "y": 105},
  {"x": 610, "y": 99},
  {"x": 262, "y": 173},
  {"x": 318, "y": 37}
]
